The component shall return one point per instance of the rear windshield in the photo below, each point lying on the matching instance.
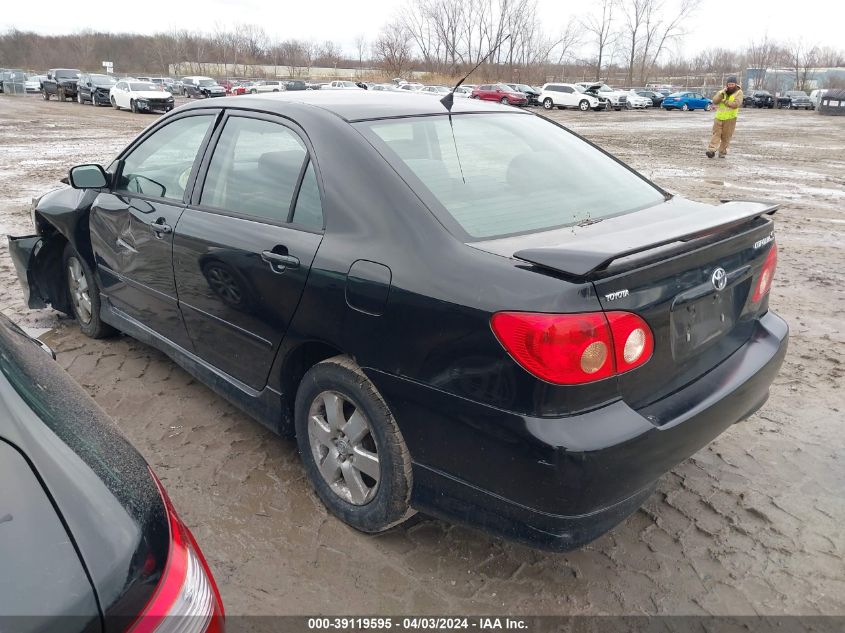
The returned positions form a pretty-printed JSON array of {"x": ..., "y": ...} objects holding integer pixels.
[{"x": 504, "y": 173}]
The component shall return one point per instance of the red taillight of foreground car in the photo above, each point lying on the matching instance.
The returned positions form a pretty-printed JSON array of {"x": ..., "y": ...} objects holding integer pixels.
[
  {"x": 572, "y": 349},
  {"x": 767, "y": 274},
  {"x": 186, "y": 599}
]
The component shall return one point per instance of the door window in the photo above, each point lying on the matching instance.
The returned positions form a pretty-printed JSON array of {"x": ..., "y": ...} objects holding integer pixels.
[
  {"x": 161, "y": 165},
  {"x": 255, "y": 169}
]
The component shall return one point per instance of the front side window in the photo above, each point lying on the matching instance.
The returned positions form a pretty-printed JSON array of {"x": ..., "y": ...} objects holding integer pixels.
[
  {"x": 255, "y": 169},
  {"x": 161, "y": 165},
  {"x": 502, "y": 174}
]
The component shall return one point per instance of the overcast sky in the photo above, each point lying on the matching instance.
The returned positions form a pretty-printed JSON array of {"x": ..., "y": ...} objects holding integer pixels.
[{"x": 726, "y": 23}]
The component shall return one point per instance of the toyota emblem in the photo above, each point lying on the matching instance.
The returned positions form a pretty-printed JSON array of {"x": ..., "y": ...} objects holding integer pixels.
[{"x": 719, "y": 279}]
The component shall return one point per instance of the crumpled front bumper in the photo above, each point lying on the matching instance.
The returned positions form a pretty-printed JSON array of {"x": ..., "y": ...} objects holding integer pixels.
[{"x": 24, "y": 252}]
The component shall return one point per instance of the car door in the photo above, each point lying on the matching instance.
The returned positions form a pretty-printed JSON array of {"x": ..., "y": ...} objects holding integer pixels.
[
  {"x": 567, "y": 96},
  {"x": 131, "y": 225},
  {"x": 244, "y": 246}
]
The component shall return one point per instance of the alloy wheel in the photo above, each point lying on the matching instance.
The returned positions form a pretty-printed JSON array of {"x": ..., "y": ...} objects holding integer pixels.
[
  {"x": 343, "y": 447},
  {"x": 548, "y": 104},
  {"x": 78, "y": 286}
]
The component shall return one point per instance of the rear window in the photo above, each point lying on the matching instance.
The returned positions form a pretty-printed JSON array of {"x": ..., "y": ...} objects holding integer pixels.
[{"x": 503, "y": 174}]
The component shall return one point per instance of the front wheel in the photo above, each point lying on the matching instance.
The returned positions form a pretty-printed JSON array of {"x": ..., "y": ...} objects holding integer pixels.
[
  {"x": 352, "y": 449},
  {"x": 548, "y": 104},
  {"x": 60, "y": 94},
  {"x": 79, "y": 98},
  {"x": 84, "y": 295},
  {"x": 583, "y": 105},
  {"x": 133, "y": 106},
  {"x": 628, "y": 105},
  {"x": 708, "y": 107},
  {"x": 503, "y": 101},
  {"x": 45, "y": 95},
  {"x": 114, "y": 104}
]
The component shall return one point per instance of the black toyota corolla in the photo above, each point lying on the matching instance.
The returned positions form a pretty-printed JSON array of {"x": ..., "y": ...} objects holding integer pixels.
[
  {"x": 471, "y": 312},
  {"x": 89, "y": 540}
]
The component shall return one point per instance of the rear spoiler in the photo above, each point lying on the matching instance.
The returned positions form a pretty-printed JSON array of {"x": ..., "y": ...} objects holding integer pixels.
[{"x": 595, "y": 250}]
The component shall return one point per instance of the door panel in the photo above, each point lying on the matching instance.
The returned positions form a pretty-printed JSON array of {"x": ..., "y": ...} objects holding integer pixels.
[
  {"x": 240, "y": 262},
  {"x": 132, "y": 227}
]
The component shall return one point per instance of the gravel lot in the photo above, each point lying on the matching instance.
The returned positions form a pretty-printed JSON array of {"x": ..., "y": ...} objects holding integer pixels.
[{"x": 752, "y": 524}]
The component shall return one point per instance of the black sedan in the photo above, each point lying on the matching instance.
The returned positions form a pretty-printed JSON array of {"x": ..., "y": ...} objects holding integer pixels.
[
  {"x": 468, "y": 311},
  {"x": 89, "y": 540},
  {"x": 759, "y": 99},
  {"x": 94, "y": 89},
  {"x": 656, "y": 97}
]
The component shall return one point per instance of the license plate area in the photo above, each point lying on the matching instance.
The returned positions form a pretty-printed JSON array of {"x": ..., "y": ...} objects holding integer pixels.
[{"x": 699, "y": 323}]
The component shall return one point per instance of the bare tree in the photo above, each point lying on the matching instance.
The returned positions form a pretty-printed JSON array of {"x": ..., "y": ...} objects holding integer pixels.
[
  {"x": 392, "y": 49},
  {"x": 600, "y": 26},
  {"x": 634, "y": 15},
  {"x": 361, "y": 48},
  {"x": 660, "y": 31},
  {"x": 802, "y": 57}
]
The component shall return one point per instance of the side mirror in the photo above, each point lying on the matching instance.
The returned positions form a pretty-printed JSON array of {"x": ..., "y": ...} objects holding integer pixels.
[{"x": 88, "y": 177}]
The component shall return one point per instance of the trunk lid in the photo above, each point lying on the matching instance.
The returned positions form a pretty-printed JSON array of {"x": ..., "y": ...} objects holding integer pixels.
[{"x": 688, "y": 269}]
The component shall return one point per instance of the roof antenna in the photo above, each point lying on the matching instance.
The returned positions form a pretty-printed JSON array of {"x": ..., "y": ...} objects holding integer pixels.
[{"x": 449, "y": 99}]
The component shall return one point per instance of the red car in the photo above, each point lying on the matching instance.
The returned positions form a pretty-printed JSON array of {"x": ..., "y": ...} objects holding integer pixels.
[
  {"x": 236, "y": 89},
  {"x": 501, "y": 93}
]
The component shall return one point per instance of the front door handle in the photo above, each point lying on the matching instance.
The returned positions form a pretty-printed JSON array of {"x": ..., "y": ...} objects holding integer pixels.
[
  {"x": 160, "y": 228},
  {"x": 279, "y": 262}
]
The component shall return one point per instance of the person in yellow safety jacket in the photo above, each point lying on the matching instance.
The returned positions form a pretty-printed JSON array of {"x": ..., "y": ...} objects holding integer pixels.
[{"x": 728, "y": 101}]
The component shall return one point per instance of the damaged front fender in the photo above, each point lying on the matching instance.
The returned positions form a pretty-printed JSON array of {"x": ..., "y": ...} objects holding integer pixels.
[{"x": 38, "y": 262}]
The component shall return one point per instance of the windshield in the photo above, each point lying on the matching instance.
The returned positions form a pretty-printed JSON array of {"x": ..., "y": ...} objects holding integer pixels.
[
  {"x": 503, "y": 174},
  {"x": 207, "y": 82},
  {"x": 67, "y": 74},
  {"x": 140, "y": 87},
  {"x": 102, "y": 79}
]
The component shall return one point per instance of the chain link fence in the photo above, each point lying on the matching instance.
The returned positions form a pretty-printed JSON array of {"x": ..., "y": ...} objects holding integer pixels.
[{"x": 14, "y": 82}]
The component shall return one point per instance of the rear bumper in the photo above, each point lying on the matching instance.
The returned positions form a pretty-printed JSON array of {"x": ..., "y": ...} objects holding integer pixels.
[{"x": 558, "y": 483}]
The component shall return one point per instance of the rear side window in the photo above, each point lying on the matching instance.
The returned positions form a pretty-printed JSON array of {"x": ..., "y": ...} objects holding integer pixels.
[
  {"x": 502, "y": 174},
  {"x": 309, "y": 211},
  {"x": 255, "y": 169}
]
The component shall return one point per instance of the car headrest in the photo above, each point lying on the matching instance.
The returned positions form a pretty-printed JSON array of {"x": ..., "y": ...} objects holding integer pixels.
[{"x": 285, "y": 161}]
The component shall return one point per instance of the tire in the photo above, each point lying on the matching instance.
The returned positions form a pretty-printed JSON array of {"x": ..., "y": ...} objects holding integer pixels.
[
  {"x": 619, "y": 109},
  {"x": 79, "y": 98},
  {"x": 504, "y": 101},
  {"x": 133, "y": 107},
  {"x": 628, "y": 105},
  {"x": 45, "y": 95},
  {"x": 114, "y": 103},
  {"x": 60, "y": 94},
  {"x": 377, "y": 505},
  {"x": 548, "y": 104},
  {"x": 84, "y": 303},
  {"x": 685, "y": 108},
  {"x": 253, "y": 91},
  {"x": 584, "y": 105},
  {"x": 708, "y": 107}
]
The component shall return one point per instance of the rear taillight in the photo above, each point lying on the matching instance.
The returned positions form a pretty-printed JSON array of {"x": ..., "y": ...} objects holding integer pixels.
[
  {"x": 767, "y": 274},
  {"x": 186, "y": 599},
  {"x": 572, "y": 349}
]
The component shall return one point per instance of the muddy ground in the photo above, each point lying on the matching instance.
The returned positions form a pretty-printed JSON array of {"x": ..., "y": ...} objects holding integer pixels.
[{"x": 752, "y": 524}]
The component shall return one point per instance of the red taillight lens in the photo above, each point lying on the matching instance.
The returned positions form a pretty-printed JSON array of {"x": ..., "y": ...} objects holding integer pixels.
[
  {"x": 767, "y": 274},
  {"x": 186, "y": 599},
  {"x": 633, "y": 342},
  {"x": 572, "y": 349}
]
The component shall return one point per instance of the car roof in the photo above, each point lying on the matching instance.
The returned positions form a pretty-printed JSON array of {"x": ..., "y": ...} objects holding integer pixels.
[{"x": 354, "y": 105}]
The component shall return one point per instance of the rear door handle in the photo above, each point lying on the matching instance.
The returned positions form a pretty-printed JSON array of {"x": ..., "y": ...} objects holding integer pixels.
[{"x": 279, "y": 262}]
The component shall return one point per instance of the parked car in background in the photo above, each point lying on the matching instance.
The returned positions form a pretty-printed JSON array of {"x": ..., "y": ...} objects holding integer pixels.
[
  {"x": 759, "y": 99},
  {"x": 687, "y": 101},
  {"x": 530, "y": 93},
  {"x": 656, "y": 97},
  {"x": 795, "y": 100},
  {"x": 95, "y": 88},
  {"x": 168, "y": 83},
  {"x": 90, "y": 539},
  {"x": 266, "y": 86},
  {"x": 555, "y": 95},
  {"x": 237, "y": 88},
  {"x": 384, "y": 87},
  {"x": 341, "y": 85},
  {"x": 499, "y": 92},
  {"x": 635, "y": 101},
  {"x": 617, "y": 98},
  {"x": 536, "y": 301},
  {"x": 33, "y": 82},
  {"x": 435, "y": 91},
  {"x": 464, "y": 91},
  {"x": 60, "y": 83},
  {"x": 202, "y": 87},
  {"x": 816, "y": 97},
  {"x": 410, "y": 87},
  {"x": 140, "y": 96},
  {"x": 296, "y": 84},
  {"x": 13, "y": 81}
]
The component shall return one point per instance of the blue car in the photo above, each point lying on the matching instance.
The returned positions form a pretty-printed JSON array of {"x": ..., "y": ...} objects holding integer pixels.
[{"x": 687, "y": 101}]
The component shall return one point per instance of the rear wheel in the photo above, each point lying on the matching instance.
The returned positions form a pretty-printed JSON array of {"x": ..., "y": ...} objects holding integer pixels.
[
  {"x": 685, "y": 107},
  {"x": 548, "y": 104},
  {"x": 583, "y": 105},
  {"x": 114, "y": 104},
  {"x": 352, "y": 449},
  {"x": 84, "y": 295}
]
